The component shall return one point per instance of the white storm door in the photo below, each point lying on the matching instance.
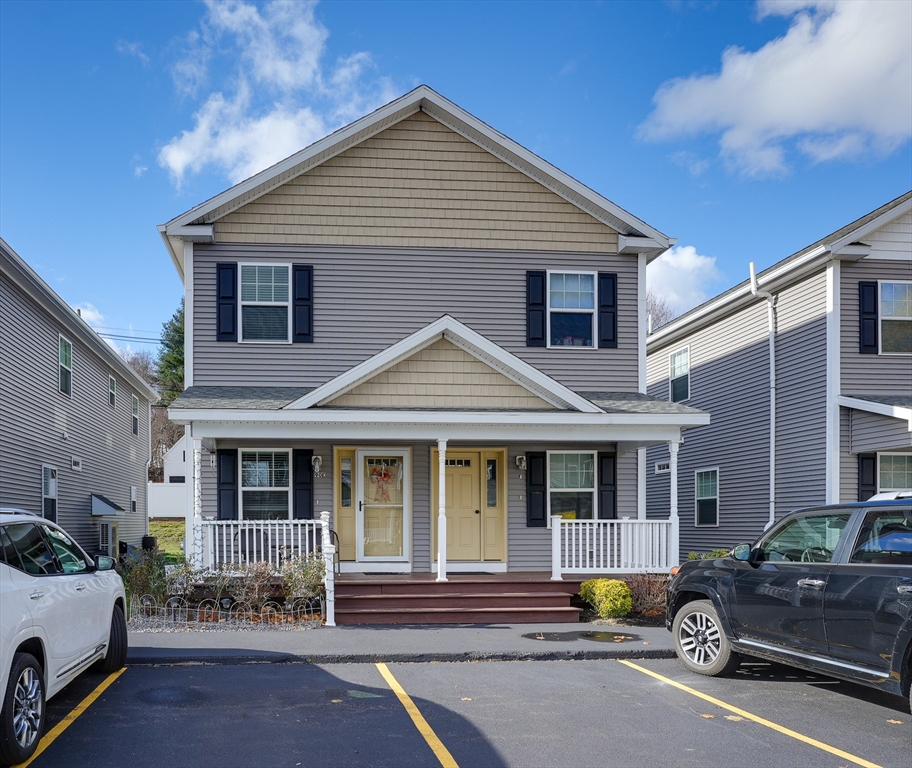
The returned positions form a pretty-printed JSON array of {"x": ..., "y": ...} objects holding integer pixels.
[{"x": 383, "y": 510}]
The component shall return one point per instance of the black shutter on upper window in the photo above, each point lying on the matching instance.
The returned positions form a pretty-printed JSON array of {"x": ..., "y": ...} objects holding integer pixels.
[
  {"x": 867, "y": 475},
  {"x": 302, "y": 303},
  {"x": 226, "y": 292},
  {"x": 302, "y": 490},
  {"x": 227, "y": 461},
  {"x": 536, "y": 308},
  {"x": 536, "y": 488},
  {"x": 607, "y": 479},
  {"x": 607, "y": 310},
  {"x": 867, "y": 317}
]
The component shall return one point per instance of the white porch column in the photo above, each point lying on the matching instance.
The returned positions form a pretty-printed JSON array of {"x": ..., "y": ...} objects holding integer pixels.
[
  {"x": 555, "y": 548},
  {"x": 441, "y": 510},
  {"x": 674, "y": 542},
  {"x": 329, "y": 579},
  {"x": 195, "y": 543}
]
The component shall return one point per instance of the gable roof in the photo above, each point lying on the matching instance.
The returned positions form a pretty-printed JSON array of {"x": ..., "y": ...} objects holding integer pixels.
[
  {"x": 29, "y": 281},
  {"x": 841, "y": 244},
  {"x": 449, "y": 328},
  {"x": 197, "y": 224}
]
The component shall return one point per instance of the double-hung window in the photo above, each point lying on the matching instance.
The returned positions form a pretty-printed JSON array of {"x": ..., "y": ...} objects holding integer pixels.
[
  {"x": 265, "y": 315},
  {"x": 265, "y": 486},
  {"x": 896, "y": 318},
  {"x": 679, "y": 375},
  {"x": 707, "y": 497},
  {"x": 135, "y": 415},
  {"x": 571, "y": 309},
  {"x": 49, "y": 492},
  {"x": 894, "y": 472},
  {"x": 112, "y": 391},
  {"x": 65, "y": 375},
  {"x": 571, "y": 485}
]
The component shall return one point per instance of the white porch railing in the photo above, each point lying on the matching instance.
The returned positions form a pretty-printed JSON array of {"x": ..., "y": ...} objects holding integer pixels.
[
  {"x": 240, "y": 542},
  {"x": 612, "y": 546}
]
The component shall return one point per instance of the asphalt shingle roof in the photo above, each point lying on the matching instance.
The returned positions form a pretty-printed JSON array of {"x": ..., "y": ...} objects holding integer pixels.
[{"x": 899, "y": 401}]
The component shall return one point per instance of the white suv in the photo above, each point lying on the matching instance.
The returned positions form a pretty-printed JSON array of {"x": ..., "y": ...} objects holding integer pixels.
[{"x": 60, "y": 611}]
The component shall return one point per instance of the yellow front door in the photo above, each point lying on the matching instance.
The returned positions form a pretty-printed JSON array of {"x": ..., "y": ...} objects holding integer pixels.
[{"x": 463, "y": 506}]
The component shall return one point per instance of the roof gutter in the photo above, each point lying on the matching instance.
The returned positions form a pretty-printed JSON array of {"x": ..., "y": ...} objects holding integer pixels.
[{"x": 771, "y": 323}]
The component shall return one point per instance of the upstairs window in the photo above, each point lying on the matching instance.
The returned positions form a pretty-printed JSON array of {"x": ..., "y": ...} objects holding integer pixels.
[
  {"x": 896, "y": 318},
  {"x": 112, "y": 391},
  {"x": 265, "y": 303},
  {"x": 65, "y": 377},
  {"x": 679, "y": 375},
  {"x": 571, "y": 309},
  {"x": 135, "y": 415}
]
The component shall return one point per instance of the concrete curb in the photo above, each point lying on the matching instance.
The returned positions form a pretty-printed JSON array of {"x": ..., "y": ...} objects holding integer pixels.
[{"x": 399, "y": 658}]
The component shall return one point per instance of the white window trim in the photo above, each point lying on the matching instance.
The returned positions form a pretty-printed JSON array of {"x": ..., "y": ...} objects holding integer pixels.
[
  {"x": 242, "y": 303},
  {"x": 593, "y": 311},
  {"x": 60, "y": 365},
  {"x": 881, "y": 317},
  {"x": 242, "y": 487},
  {"x": 662, "y": 467},
  {"x": 112, "y": 391},
  {"x": 134, "y": 416},
  {"x": 404, "y": 455},
  {"x": 717, "y": 497},
  {"x": 670, "y": 371},
  {"x": 594, "y": 489},
  {"x": 56, "y": 495},
  {"x": 880, "y": 489}
]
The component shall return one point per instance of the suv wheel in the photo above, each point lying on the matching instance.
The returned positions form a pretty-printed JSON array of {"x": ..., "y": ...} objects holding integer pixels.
[
  {"x": 23, "y": 710},
  {"x": 700, "y": 641},
  {"x": 116, "y": 656}
]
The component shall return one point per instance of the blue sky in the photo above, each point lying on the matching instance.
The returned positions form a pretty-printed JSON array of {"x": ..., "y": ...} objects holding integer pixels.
[{"x": 745, "y": 130}]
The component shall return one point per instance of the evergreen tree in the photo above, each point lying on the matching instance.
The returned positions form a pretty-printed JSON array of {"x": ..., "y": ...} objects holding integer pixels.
[{"x": 170, "y": 361}]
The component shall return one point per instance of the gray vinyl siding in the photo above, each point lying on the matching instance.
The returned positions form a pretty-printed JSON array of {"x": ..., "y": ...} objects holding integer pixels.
[
  {"x": 871, "y": 432},
  {"x": 34, "y": 416},
  {"x": 870, "y": 374},
  {"x": 366, "y": 299}
]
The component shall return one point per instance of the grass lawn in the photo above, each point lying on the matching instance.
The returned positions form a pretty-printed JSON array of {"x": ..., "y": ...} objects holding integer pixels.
[{"x": 170, "y": 534}]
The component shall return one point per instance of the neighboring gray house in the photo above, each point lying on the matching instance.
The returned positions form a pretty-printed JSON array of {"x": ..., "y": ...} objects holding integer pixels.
[
  {"x": 423, "y": 329},
  {"x": 829, "y": 421},
  {"x": 74, "y": 417}
]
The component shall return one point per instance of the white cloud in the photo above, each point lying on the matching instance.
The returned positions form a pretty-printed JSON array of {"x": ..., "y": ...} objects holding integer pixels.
[
  {"x": 683, "y": 277},
  {"x": 133, "y": 49},
  {"x": 279, "y": 97},
  {"x": 837, "y": 85},
  {"x": 695, "y": 165},
  {"x": 90, "y": 313}
]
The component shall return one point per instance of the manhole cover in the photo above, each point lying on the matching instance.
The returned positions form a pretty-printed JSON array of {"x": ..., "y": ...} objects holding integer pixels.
[{"x": 566, "y": 637}]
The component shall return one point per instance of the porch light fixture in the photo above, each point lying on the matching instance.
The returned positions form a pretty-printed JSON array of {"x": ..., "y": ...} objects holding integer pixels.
[
  {"x": 521, "y": 462},
  {"x": 316, "y": 462}
]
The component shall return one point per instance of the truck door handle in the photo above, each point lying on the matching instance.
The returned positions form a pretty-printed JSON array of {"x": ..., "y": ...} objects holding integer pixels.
[
  {"x": 812, "y": 583},
  {"x": 36, "y": 595},
  {"x": 904, "y": 589}
]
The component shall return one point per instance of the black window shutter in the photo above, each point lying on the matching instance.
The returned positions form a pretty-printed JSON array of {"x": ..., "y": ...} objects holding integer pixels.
[
  {"x": 607, "y": 464},
  {"x": 867, "y": 475},
  {"x": 227, "y": 460},
  {"x": 302, "y": 303},
  {"x": 226, "y": 302},
  {"x": 607, "y": 309},
  {"x": 867, "y": 317},
  {"x": 536, "y": 488},
  {"x": 536, "y": 309},
  {"x": 303, "y": 500}
]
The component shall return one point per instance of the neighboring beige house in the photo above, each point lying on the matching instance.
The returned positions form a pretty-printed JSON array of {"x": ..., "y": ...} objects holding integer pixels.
[{"x": 436, "y": 337}]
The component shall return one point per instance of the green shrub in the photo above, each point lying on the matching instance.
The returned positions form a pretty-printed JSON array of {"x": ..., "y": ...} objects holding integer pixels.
[
  {"x": 146, "y": 576},
  {"x": 709, "y": 555},
  {"x": 301, "y": 576},
  {"x": 611, "y": 598}
]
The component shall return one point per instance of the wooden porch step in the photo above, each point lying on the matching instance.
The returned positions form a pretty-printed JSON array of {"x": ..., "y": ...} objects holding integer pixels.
[
  {"x": 463, "y": 600},
  {"x": 460, "y": 585},
  {"x": 457, "y": 615}
]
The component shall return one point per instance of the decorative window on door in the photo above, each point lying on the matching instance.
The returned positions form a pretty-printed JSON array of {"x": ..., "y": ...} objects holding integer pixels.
[{"x": 383, "y": 507}]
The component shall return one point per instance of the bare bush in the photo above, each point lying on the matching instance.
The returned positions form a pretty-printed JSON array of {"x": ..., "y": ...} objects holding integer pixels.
[
  {"x": 253, "y": 585},
  {"x": 648, "y": 592}
]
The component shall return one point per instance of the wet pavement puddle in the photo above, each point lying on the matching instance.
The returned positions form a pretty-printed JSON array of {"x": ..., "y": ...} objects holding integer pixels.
[{"x": 567, "y": 637}]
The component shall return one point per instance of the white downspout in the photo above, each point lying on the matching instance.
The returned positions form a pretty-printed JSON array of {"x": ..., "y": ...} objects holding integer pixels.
[{"x": 771, "y": 321}]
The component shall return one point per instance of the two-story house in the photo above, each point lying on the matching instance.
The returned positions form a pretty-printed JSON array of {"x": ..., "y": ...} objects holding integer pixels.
[
  {"x": 74, "y": 417},
  {"x": 807, "y": 371},
  {"x": 432, "y": 334}
]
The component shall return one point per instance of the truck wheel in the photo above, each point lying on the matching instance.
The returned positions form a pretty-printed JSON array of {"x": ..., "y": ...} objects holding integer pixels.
[{"x": 700, "y": 641}]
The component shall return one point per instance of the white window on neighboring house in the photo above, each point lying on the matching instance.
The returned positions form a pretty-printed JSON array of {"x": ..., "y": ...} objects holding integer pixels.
[
  {"x": 265, "y": 485},
  {"x": 679, "y": 375},
  {"x": 135, "y": 415},
  {"x": 132, "y": 498},
  {"x": 571, "y": 309},
  {"x": 894, "y": 472},
  {"x": 571, "y": 485},
  {"x": 265, "y": 315},
  {"x": 112, "y": 391},
  {"x": 49, "y": 492},
  {"x": 896, "y": 318},
  {"x": 707, "y": 498},
  {"x": 65, "y": 375}
]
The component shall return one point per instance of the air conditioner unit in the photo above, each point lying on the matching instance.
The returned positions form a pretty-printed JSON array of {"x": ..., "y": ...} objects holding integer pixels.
[{"x": 107, "y": 538}]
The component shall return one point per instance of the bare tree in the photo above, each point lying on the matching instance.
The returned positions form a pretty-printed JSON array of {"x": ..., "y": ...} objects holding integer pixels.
[{"x": 658, "y": 308}]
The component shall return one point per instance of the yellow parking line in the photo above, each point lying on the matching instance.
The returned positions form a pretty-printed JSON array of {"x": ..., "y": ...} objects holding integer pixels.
[
  {"x": 68, "y": 720},
  {"x": 443, "y": 754},
  {"x": 748, "y": 716}
]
